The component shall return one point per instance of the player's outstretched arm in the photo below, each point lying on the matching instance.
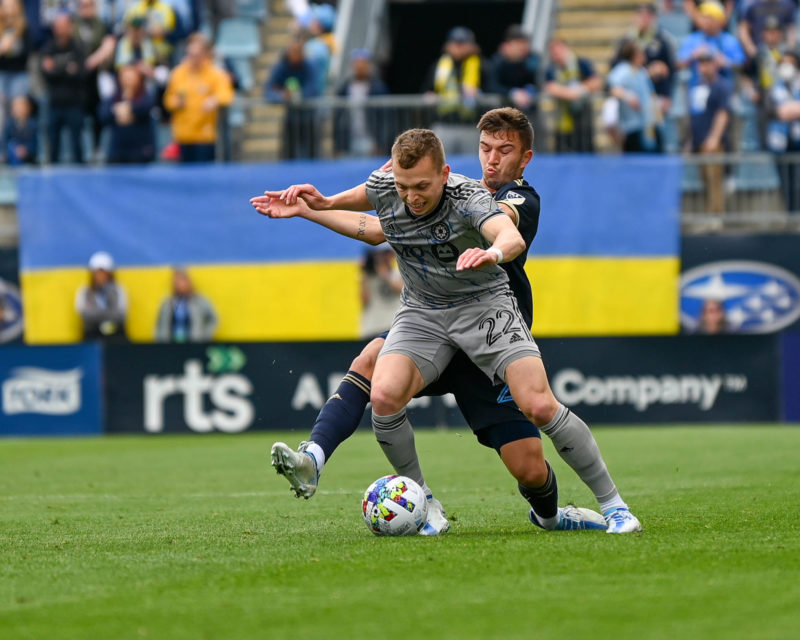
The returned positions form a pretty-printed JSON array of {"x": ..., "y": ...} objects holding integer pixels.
[
  {"x": 354, "y": 199},
  {"x": 507, "y": 244},
  {"x": 352, "y": 224}
]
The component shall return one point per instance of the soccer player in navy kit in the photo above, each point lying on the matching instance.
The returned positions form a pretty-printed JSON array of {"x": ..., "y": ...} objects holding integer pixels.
[{"x": 506, "y": 141}]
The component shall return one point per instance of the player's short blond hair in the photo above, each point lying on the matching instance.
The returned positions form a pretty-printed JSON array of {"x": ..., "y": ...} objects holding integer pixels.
[
  {"x": 413, "y": 145},
  {"x": 508, "y": 120}
]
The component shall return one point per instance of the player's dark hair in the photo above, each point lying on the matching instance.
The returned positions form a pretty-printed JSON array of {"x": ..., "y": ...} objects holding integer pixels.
[
  {"x": 507, "y": 120},
  {"x": 413, "y": 145}
]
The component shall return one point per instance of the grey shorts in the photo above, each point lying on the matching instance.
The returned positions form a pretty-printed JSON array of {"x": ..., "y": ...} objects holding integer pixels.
[{"x": 491, "y": 332}]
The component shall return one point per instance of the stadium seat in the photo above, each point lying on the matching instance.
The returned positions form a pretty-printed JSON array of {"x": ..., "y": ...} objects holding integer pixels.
[
  {"x": 8, "y": 188},
  {"x": 243, "y": 69},
  {"x": 676, "y": 23},
  {"x": 756, "y": 176},
  {"x": 255, "y": 9},
  {"x": 690, "y": 181},
  {"x": 237, "y": 115},
  {"x": 238, "y": 38}
]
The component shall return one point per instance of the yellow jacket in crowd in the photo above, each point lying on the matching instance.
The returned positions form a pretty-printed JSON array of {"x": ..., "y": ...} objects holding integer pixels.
[{"x": 194, "y": 116}]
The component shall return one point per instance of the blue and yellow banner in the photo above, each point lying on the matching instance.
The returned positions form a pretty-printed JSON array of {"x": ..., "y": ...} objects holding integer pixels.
[{"x": 605, "y": 261}]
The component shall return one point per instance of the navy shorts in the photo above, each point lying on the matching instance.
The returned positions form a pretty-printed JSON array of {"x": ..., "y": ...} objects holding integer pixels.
[{"x": 489, "y": 409}]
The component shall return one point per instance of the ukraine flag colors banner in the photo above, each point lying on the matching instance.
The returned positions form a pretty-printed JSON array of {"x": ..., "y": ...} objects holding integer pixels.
[{"x": 605, "y": 261}]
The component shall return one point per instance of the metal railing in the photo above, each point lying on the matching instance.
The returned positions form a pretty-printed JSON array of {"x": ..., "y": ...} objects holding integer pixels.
[
  {"x": 741, "y": 191},
  {"x": 332, "y": 126}
]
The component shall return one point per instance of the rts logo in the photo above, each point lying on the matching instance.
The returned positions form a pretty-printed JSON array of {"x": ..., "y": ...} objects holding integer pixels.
[
  {"x": 756, "y": 297},
  {"x": 226, "y": 397}
]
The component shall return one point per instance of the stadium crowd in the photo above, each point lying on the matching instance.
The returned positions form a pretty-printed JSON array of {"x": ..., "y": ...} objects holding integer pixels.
[
  {"x": 131, "y": 66},
  {"x": 70, "y": 69}
]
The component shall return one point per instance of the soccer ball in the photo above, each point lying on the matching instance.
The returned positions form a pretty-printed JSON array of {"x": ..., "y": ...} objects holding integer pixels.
[{"x": 394, "y": 506}]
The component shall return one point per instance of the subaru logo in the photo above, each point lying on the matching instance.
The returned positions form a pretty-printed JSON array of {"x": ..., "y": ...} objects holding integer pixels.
[
  {"x": 10, "y": 312},
  {"x": 739, "y": 297}
]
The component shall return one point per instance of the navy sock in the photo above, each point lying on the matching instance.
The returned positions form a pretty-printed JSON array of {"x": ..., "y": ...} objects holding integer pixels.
[
  {"x": 339, "y": 417},
  {"x": 544, "y": 499}
]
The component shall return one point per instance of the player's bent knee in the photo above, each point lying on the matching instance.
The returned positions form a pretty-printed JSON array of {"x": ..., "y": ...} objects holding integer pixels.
[
  {"x": 384, "y": 402},
  {"x": 533, "y": 476},
  {"x": 364, "y": 362},
  {"x": 539, "y": 408}
]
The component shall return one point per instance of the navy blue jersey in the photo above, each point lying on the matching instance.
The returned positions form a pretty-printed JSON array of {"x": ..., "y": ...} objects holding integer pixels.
[{"x": 523, "y": 199}]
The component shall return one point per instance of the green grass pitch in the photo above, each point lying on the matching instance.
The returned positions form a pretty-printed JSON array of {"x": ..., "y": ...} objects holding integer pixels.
[{"x": 196, "y": 537}]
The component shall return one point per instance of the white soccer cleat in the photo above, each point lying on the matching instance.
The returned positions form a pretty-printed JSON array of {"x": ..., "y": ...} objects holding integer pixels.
[
  {"x": 298, "y": 467},
  {"x": 572, "y": 518},
  {"x": 621, "y": 520},
  {"x": 436, "y": 522}
]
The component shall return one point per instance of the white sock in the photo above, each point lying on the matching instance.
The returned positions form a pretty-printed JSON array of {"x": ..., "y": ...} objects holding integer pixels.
[
  {"x": 317, "y": 454},
  {"x": 548, "y": 523},
  {"x": 615, "y": 502}
]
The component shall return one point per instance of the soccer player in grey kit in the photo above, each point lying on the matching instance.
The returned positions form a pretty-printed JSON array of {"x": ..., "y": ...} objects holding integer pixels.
[{"x": 434, "y": 221}]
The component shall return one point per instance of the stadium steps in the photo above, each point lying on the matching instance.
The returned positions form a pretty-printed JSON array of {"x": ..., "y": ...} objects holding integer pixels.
[
  {"x": 261, "y": 139},
  {"x": 592, "y": 28},
  {"x": 9, "y": 229}
]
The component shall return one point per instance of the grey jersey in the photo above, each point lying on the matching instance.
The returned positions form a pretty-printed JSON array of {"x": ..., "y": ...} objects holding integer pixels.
[{"x": 428, "y": 246}]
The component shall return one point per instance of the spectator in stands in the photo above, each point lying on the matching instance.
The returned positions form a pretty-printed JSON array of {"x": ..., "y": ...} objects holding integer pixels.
[
  {"x": 128, "y": 113},
  {"x": 639, "y": 113},
  {"x": 659, "y": 49},
  {"x": 293, "y": 79},
  {"x": 21, "y": 133},
  {"x": 160, "y": 24},
  {"x": 709, "y": 116},
  {"x": 692, "y": 9},
  {"x": 513, "y": 70},
  {"x": 320, "y": 44},
  {"x": 136, "y": 47},
  {"x": 457, "y": 78},
  {"x": 196, "y": 91},
  {"x": 98, "y": 43},
  {"x": 753, "y": 21},
  {"x": 712, "y": 318},
  {"x": 359, "y": 129},
  {"x": 15, "y": 46},
  {"x": 102, "y": 304},
  {"x": 572, "y": 81},
  {"x": 711, "y": 38},
  {"x": 763, "y": 70},
  {"x": 64, "y": 71},
  {"x": 783, "y": 130},
  {"x": 185, "y": 316},
  {"x": 381, "y": 285}
]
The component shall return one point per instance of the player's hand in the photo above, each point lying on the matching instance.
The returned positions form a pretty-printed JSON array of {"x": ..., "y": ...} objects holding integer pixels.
[
  {"x": 386, "y": 167},
  {"x": 475, "y": 259},
  {"x": 275, "y": 208},
  {"x": 307, "y": 192}
]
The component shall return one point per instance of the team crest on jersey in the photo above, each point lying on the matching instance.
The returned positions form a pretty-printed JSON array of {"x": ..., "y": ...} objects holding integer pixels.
[
  {"x": 512, "y": 197},
  {"x": 440, "y": 231}
]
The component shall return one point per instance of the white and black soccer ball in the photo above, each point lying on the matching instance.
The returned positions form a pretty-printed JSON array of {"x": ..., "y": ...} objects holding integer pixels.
[{"x": 394, "y": 506}]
